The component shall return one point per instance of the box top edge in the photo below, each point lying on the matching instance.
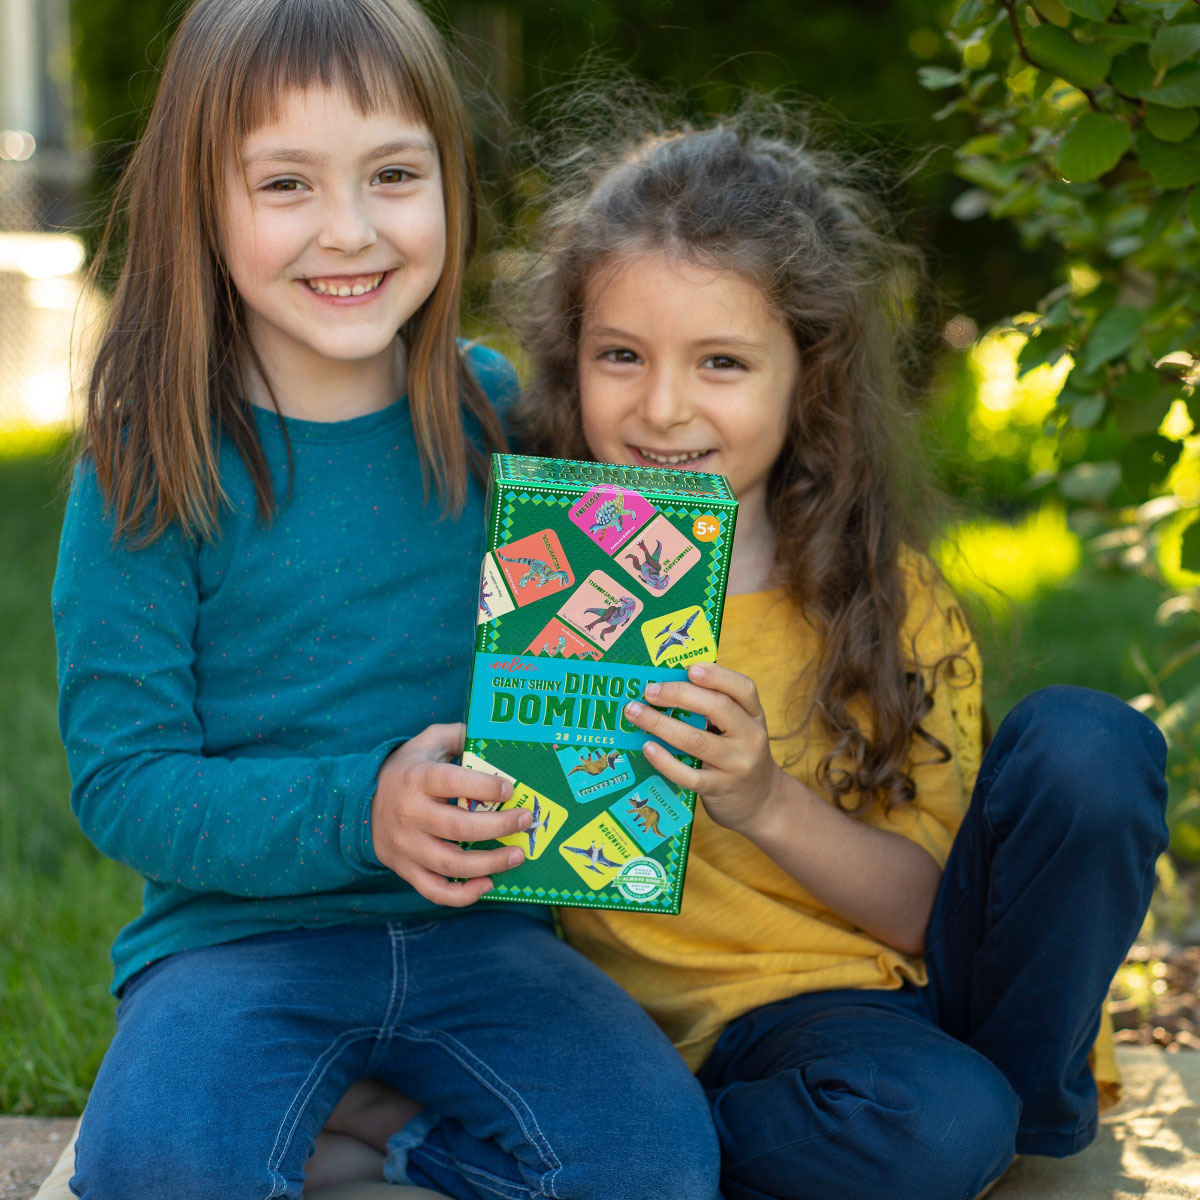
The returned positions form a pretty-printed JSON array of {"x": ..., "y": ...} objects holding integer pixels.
[{"x": 529, "y": 469}]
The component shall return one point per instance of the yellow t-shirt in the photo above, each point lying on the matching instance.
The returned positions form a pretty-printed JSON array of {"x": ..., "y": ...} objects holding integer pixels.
[{"x": 748, "y": 933}]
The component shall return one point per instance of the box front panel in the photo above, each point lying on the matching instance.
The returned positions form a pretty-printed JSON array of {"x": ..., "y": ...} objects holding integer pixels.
[{"x": 588, "y": 592}]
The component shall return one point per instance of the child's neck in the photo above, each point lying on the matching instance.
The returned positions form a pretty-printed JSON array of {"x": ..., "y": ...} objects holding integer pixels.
[
  {"x": 752, "y": 563},
  {"x": 323, "y": 389}
]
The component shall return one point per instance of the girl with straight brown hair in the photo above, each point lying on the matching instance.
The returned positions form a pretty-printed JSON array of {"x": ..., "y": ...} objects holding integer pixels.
[{"x": 264, "y": 597}]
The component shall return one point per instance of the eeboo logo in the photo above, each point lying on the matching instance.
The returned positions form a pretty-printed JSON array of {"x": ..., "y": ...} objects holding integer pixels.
[{"x": 641, "y": 880}]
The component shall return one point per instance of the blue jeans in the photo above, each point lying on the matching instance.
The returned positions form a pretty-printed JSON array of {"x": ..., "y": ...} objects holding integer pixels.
[
  {"x": 541, "y": 1077},
  {"x": 926, "y": 1093}
]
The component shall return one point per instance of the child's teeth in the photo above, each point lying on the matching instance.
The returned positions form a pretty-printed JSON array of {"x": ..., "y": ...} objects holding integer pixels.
[
  {"x": 671, "y": 459},
  {"x": 358, "y": 287}
]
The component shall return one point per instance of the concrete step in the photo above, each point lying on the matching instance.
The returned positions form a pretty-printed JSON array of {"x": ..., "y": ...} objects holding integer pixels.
[{"x": 1147, "y": 1149}]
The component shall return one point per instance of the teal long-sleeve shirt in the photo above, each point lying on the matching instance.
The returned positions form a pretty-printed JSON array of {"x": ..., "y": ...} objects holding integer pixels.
[{"x": 226, "y": 706}]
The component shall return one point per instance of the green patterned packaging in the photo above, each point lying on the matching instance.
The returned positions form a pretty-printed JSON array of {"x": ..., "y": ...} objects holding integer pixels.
[{"x": 597, "y": 580}]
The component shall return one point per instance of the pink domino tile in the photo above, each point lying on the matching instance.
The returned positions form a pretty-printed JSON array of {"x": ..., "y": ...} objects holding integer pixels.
[
  {"x": 659, "y": 558},
  {"x": 601, "y": 609},
  {"x": 610, "y": 516}
]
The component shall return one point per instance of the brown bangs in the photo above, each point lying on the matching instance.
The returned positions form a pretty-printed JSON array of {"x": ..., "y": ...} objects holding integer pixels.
[{"x": 345, "y": 46}]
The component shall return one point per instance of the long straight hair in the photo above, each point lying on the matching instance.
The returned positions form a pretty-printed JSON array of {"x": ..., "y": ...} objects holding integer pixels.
[{"x": 172, "y": 363}]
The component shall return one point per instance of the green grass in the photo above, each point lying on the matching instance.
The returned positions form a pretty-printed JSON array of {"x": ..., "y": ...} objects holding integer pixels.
[{"x": 61, "y": 903}]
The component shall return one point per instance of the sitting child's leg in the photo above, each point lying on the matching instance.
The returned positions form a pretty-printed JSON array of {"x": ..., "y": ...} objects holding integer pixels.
[
  {"x": 226, "y": 1064},
  {"x": 855, "y": 1094},
  {"x": 539, "y": 1076},
  {"x": 1045, "y": 889}
]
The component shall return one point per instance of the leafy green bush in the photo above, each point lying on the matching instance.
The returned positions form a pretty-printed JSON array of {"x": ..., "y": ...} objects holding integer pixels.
[{"x": 1086, "y": 116}]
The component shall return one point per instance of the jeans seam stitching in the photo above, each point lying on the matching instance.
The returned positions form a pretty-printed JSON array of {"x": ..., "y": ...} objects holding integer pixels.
[
  {"x": 304, "y": 1092},
  {"x": 502, "y": 1090},
  {"x": 399, "y": 974}
]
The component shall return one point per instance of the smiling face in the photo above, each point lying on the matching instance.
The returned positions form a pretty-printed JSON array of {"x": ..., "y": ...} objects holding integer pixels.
[
  {"x": 680, "y": 365},
  {"x": 334, "y": 236}
]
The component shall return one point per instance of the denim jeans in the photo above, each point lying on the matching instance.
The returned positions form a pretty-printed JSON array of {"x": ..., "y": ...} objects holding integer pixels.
[
  {"x": 926, "y": 1093},
  {"x": 540, "y": 1076}
]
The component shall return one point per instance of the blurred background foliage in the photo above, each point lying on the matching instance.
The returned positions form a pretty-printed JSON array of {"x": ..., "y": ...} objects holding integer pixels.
[{"x": 1045, "y": 156}]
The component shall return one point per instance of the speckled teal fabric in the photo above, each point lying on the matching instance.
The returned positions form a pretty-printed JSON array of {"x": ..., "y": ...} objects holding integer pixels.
[{"x": 226, "y": 708}]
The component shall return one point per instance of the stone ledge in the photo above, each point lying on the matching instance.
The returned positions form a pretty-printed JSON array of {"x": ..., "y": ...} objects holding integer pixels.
[
  {"x": 29, "y": 1147},
  {"x": 1148, "y": 1148}
]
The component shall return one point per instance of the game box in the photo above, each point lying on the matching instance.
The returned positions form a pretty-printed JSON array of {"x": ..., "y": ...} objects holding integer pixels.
[{"x": 597, "y": 579}]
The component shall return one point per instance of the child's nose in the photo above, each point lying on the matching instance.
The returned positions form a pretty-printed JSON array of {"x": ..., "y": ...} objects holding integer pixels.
[
  {"x": 347, "y": 226},
  {"x": 665, "y": 402}
]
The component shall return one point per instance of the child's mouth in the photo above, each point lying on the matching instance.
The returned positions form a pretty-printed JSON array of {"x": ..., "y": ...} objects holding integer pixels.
[
  {"x": 679, "y": 458},
  {"x": 342, "y": 286}
]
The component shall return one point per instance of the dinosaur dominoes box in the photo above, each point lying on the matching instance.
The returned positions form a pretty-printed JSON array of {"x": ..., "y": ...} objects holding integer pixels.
[{"x": 596, "y": 580}]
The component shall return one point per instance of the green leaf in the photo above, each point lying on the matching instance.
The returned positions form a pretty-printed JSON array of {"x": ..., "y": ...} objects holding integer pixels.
[
  {"x": 1111, "y": 336},
  {"x": 1171, "y": 124},
  {"x": 1086, "y": 411},
  {"x": 1083, "y": 65},
  {"x": 1089, "y": 481},
  {"x": 1179, "y": 89},
  {"x": 1170, "y": 164},
  {"x": 1093, "y": 10},
  {"x": 933, "y": 79},
  {"x": 1146, "y": 461},
  {"x": 1092, "y": 146},
  {"x": 1055, "y": 11},
  {"x": 1162, "y": 214},
  {"x": 1106, "y": 32},
  {"x": 1131, "y": 73},
  {"x": 1047, "y": 347},
  {"x": 968, "y": 13},
  {"x": 1174, "y": 44},
  {"x": 1193, "y": 208}
]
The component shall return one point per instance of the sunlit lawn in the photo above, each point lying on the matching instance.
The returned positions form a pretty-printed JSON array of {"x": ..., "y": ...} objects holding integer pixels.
[{"x": 61, "y": 903}]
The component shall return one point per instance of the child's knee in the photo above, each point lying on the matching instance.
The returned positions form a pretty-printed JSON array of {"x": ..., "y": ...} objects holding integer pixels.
[
  {"x": 660, "y": 1146},
  {"x": 1091, "y": 764},
  {"x": 132, "y": 1164}
]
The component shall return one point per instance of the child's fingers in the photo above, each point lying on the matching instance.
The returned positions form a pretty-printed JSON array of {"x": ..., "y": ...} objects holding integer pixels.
[
  {"x": 451, "y": 860},
  {"x": 715, "y": 707},
  {"x": 454, "y": 824},
  {"x": 738, "y": 687},
  {"x": 697, "y": 742},
  {"x": 440, "y": 741},
  {"x": 670, "y": 768},
  {"x": 446, "y": 892},
  {"x": 450, "y": 782}
]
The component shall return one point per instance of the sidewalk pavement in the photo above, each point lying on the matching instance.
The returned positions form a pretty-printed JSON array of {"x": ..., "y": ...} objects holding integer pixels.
[{"x": 1148, "y": 1148}]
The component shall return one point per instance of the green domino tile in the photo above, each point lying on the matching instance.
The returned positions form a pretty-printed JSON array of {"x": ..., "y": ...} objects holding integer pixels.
[{"x": 597, "y": 579}]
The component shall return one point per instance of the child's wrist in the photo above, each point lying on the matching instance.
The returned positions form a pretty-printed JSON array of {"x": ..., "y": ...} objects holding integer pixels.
[{"x": 773, "y": 813}]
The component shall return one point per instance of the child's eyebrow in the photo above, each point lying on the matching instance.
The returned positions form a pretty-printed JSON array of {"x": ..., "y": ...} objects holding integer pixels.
[
  {"x": 729, "y": 340},
  {"x": 404, "y": 145}
]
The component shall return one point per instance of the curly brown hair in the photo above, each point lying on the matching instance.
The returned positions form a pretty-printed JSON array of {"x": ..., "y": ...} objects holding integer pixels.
[{"x": 848, "y": 490}]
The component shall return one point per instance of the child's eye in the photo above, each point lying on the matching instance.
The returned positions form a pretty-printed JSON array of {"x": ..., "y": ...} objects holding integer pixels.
[
  {"x": 283, "y": 185},
  {"x": 723, "y": 362},
  {"x": 395, "y": 175},
  {"x": 619, "y": 356}
]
